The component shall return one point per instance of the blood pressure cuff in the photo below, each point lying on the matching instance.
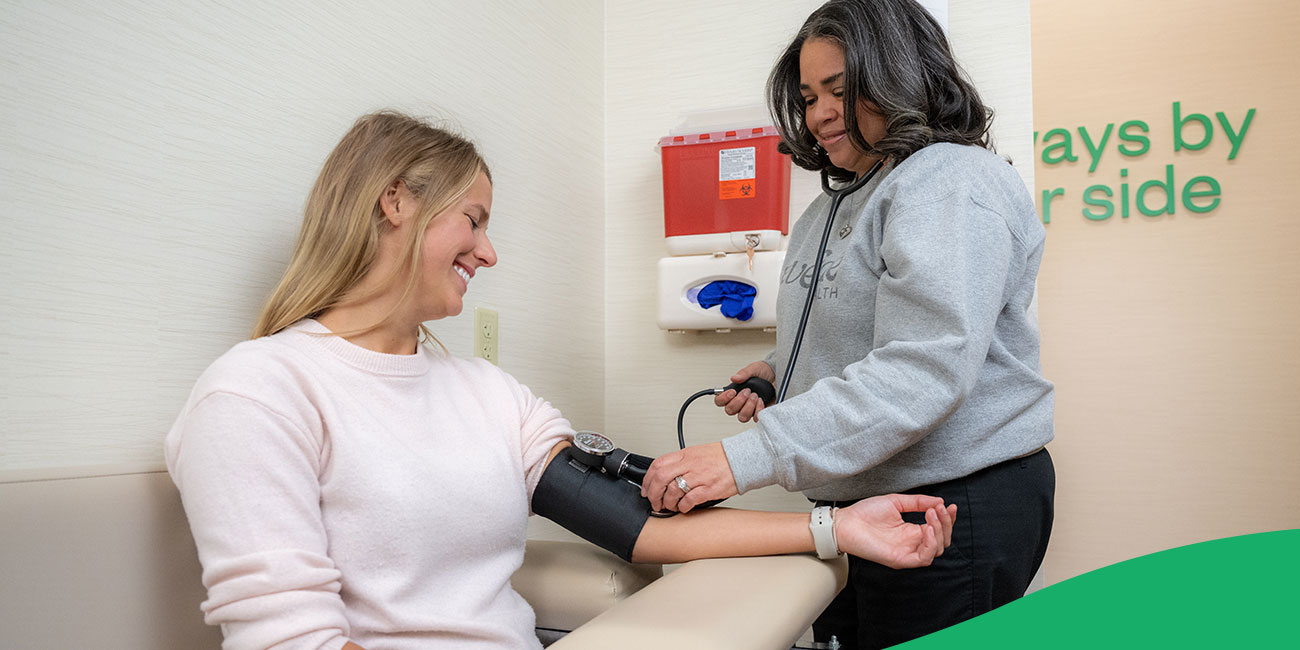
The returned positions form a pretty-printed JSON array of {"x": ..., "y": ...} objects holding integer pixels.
[{"x": 598, "y": 507}]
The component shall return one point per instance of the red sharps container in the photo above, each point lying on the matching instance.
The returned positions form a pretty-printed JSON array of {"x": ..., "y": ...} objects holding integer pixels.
[{"x": 725, "y": 191}]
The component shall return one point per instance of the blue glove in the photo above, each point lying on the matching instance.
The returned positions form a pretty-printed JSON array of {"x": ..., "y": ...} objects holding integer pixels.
[{"x": 736, "y": 298}]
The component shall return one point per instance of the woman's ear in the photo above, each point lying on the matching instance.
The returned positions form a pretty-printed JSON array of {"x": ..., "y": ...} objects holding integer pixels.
[{"x": 396, "y": 203}]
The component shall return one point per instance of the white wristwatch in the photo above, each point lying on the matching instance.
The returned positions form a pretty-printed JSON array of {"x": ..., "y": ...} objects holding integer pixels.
[{"x": 822, "y": 526}]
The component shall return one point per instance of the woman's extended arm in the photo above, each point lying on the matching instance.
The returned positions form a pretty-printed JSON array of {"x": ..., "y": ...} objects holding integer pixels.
[{"x": 872, "y": 529}]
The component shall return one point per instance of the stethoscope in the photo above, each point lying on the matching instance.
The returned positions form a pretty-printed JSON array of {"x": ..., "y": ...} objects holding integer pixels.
[{"x": 597, "y": 451}]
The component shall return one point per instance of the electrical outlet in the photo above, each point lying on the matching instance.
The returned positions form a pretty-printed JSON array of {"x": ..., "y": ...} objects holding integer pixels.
[{"x": 485, "y": 334}]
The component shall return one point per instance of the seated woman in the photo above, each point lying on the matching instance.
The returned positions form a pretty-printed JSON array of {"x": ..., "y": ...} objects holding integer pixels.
[{"x": 350, "y": 487}]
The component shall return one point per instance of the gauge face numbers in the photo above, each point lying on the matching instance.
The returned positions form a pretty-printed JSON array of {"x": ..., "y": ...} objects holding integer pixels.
[{"x": 593, "y": 443}]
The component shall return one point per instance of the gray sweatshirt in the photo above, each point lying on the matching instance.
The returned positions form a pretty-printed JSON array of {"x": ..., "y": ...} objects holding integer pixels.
[{"x": 920, "y": 360}]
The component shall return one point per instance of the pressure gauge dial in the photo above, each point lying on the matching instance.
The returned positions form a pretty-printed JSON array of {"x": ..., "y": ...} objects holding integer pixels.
[{"x": 590, "y": 448}]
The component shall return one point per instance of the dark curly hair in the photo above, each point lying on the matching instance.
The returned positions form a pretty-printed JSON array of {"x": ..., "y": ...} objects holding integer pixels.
[{"x": 895, "y": 56}]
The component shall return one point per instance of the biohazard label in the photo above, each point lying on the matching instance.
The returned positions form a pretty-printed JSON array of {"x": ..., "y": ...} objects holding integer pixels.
[{"x": 736, "y": 173}]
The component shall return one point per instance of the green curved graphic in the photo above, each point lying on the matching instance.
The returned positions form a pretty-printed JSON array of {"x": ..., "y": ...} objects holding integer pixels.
[{"x": 1227, "y": 593}]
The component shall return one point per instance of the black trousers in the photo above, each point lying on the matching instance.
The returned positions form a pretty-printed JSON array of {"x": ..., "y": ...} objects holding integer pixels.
[{"x": 1004, "y": 519}]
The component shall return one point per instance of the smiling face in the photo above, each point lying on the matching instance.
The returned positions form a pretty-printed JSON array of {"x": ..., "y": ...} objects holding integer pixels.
[
  {"x": 821, "y": 82},
  {"x": 455, "y": 246}
]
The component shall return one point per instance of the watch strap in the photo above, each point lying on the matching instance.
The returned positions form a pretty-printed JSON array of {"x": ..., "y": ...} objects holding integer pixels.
[{"x": 822, "y": 525}]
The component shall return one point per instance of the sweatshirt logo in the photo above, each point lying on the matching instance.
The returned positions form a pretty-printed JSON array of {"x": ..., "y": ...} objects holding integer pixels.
[{"x": 802, "y": 272}]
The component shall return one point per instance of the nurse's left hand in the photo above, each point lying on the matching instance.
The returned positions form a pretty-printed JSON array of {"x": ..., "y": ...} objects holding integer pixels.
[{"x": 705, "y": 470}]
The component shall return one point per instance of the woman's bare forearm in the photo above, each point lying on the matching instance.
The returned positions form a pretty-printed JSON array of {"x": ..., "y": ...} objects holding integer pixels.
[
  {"x": 718, "y": 532},
  {"x": 722, "y": 532}
]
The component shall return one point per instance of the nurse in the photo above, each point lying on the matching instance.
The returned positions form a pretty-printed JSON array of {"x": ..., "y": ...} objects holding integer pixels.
[{"x": 920, "y": 365}]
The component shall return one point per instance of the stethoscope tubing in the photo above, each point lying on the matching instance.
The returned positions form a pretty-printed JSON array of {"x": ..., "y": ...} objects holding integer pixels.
[{"x": 837, "y": 197}]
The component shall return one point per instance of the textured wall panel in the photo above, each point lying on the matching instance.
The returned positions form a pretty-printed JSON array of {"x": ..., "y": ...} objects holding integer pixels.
[{"x": 156, "y": 156}]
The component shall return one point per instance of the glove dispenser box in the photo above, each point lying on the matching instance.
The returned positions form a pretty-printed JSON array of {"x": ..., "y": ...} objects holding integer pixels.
[{"x": 681, "y": 278}]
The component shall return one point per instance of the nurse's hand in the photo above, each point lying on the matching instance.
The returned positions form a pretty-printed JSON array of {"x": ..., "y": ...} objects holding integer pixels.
[
  {"x": 704, "y": 469},
  {"x": 874, "y": 529},
  {"x": 745, "y": 405}
]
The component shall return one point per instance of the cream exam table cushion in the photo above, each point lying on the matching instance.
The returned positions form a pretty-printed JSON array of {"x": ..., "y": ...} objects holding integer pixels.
[{"x": 756, "y": 603}]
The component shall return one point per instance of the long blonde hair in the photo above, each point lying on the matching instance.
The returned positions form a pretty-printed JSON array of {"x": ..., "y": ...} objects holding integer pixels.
[{"x": 339, "y": 239}]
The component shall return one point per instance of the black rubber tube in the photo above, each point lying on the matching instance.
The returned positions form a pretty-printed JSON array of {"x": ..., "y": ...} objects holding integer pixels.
[{"x": 837, "y": 196}]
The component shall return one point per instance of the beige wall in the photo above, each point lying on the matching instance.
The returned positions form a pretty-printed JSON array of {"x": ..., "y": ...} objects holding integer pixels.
[{"x": 1172, "y": 340}]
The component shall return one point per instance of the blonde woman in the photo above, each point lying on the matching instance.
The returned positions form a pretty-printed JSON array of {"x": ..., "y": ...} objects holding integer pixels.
[{"x": 351, "y": 487}]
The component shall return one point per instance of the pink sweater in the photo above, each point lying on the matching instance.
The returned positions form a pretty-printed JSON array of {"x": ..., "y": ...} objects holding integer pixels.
[{"x": 340, "y": 494}]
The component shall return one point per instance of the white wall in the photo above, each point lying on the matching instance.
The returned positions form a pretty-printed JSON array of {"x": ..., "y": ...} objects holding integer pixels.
[
  {"x": 666, "y": 59},
  {"x": 155, "y": 157}
]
